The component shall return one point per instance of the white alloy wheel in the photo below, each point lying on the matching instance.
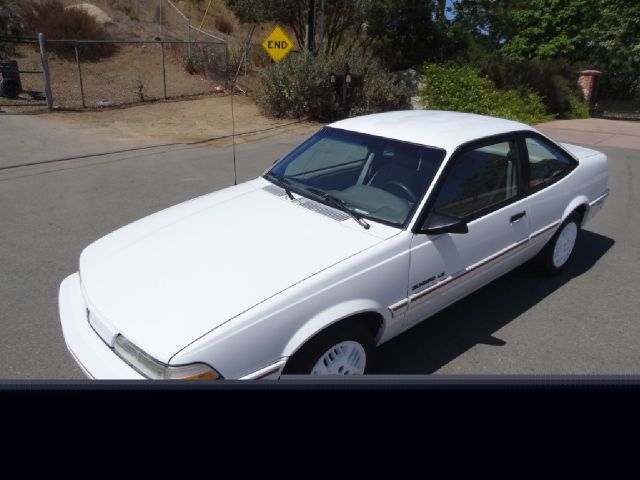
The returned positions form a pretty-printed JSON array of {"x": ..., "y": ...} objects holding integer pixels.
[
  {"x": 345, "y": 358},
  {"x": 564, "y": 244}
]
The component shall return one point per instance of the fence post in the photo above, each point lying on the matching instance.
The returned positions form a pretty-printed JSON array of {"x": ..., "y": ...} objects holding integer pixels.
[
  {"x": 79, "y": 76},
  {"x": 161, "y": 17},
  {"x": 246, "y": 54},
  {"x": 189, "y": 37},
  {"x": 226, "y": 63},
  {"x": 45, "y": 71},
  {"x": 164, "y": 73}
]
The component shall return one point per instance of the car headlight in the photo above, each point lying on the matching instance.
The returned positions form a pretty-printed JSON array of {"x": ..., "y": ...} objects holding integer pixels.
[{"x": 152, "y": 368}]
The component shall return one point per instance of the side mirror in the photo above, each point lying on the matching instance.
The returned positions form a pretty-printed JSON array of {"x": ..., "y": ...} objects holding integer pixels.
[{"x": 438, "y": 223}]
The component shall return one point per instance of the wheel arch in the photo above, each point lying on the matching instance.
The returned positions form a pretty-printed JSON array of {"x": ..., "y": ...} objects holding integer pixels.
[
  {"x": 367, "y": 312},
  {"x": 579, "y": 205}
]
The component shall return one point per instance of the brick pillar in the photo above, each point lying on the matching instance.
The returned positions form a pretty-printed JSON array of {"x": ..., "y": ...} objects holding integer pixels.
[{"x": 589, "y": 81}]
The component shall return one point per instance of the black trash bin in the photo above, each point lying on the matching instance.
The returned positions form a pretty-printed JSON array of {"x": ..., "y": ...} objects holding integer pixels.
[{"x": 10, "y": 85}]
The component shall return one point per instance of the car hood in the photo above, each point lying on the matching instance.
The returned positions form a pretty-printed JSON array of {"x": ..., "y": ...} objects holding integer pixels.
[{"x": 170, "y": 278}]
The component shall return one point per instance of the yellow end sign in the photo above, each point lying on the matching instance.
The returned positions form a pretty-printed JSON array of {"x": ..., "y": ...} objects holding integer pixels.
[{"x": 277, "y": 44}]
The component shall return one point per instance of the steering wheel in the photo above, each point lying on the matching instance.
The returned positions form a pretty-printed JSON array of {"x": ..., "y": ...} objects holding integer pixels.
[{"x": 408, "y": 193}]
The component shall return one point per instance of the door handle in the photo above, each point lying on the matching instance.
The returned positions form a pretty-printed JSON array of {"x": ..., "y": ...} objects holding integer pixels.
[{"x": 517, "y": 217}]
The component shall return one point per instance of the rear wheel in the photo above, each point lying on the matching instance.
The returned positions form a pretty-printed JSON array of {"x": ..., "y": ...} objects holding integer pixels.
[
  {"x": 557, "y": 252},
  {"x": 344, "y": 349}
]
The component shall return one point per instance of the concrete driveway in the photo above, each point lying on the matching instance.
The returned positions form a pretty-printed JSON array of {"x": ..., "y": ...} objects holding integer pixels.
[
  {"x": 583, "y": 321},
  {"x": 595, "y": 131}
]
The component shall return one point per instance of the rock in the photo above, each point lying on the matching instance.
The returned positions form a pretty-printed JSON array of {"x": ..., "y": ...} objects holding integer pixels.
[
  {"x": 416, "y": 103},
  {"x": 411, "y": 79},
  {"x": 97, "y": 13},
  {"x": 105, "y": 102}
]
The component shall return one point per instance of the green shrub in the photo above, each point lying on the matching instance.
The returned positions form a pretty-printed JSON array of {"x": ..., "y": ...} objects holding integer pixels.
[
  {"x": 380, "y": 91},
  {"x": 299, "y": 86},
  {"x": 464, "y": 89},
  {"x": 554, "y": 80},
  {"x": 578, "y": 108},
  {"x": 57, "y": 23},
  {"x": 204, "y": 61}
]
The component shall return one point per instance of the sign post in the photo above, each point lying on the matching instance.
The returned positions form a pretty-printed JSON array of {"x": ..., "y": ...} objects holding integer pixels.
[{"x": 277, "y": 44}]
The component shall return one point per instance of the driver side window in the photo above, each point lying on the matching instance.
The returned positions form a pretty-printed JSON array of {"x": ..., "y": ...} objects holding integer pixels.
[{"x": 480, "y": 179}]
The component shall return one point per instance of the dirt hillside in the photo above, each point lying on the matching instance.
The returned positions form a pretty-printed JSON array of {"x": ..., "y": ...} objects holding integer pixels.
[
  {"x": 133, "y": 77},
  {"x": 187, "y": 121}
]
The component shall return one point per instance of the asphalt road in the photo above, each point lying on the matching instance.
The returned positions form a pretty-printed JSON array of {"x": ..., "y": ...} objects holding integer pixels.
[{"x": 583, "y": 321}]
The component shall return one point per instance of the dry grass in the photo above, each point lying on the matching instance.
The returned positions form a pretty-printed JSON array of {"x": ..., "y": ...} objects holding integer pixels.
[
  {"x": 223, "y": 24},
  {"x": 57, "y": 23}
]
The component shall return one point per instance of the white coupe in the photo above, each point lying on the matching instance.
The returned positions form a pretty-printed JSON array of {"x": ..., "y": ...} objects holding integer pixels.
[{"x": 368, "y": 227}]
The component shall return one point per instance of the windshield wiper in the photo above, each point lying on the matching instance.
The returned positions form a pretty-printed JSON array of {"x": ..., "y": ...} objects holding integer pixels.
[
  {"x": 338, "y": 202},
  {"x": 282, "y": 183}
]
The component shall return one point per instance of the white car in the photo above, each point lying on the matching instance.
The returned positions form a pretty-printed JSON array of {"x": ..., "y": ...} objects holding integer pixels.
[{"x": 367, "y": 228}]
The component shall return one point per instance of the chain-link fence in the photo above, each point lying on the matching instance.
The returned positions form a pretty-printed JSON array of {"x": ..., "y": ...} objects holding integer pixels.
[
  {"x": 125, "y": 72},
  {"x": 22, "y": 80},
  {"x": 174, "y": 24}
]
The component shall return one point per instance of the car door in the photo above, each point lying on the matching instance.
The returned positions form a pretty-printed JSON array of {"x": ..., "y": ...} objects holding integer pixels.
[{"x": 482, "y": 184}]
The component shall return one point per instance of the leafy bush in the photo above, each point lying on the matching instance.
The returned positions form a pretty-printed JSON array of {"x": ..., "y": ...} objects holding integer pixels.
[
  {"x": 57, "y": 23},
  {"x": 204, "y": 61},
  {"x": 299, "y": 86},
  {"x": 578, "y": 108},
  {"x": 554, "y": 80},
  {"x": 381, "y": 91},
  {"x": 464, "y": 89}
]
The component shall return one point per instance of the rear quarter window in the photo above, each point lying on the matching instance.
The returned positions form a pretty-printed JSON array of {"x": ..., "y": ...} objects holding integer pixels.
[{"x": 546, "y": 163}]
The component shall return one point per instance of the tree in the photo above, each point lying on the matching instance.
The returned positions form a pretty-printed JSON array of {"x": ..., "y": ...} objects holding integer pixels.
[
  {"x": 488, "y": 21},
  {"x": 550, "y": 29},
  {"x": 340, "y": 16},
  {"x": 602, "y": 34},
  {"x": 617, "y": 47},
  {"x": 441, "y": 8},
  {"x": 403, "y": 32}
]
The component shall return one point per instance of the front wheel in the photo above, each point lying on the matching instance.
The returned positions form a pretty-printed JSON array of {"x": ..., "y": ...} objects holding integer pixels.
[
  {"x": 343, "y": 349},
  {"x": 556, "y": 254}
]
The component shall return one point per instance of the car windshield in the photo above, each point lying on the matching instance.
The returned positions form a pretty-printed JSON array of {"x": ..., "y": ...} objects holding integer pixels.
[{"x": 375, "y": 177}]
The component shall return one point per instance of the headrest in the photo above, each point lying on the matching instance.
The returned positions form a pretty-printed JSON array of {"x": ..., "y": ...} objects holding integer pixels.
[{"x": 407, "y": 157}]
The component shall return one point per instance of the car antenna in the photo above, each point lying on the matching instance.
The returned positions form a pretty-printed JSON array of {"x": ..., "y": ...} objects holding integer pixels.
[
  {"x": 233, "y": 134},
  {"x": 233, "y": 120}
]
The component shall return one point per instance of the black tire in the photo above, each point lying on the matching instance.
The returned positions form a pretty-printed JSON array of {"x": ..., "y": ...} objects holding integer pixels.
[
  {"x": 544, "y": 262},
  {"x": 9, "y": 88},
  {"x": 303, "y": 361}
]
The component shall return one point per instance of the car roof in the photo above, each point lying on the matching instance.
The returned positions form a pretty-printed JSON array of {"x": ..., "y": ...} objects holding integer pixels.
[{"x": 434, "y": 128}]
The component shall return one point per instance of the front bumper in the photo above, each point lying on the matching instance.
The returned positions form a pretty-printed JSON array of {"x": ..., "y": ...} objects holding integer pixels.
[{"x": 93, "y": 356}]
